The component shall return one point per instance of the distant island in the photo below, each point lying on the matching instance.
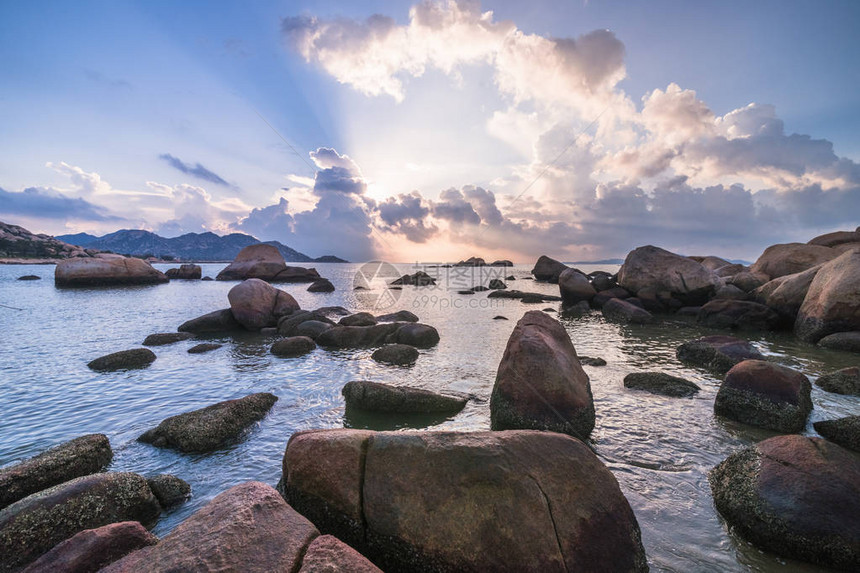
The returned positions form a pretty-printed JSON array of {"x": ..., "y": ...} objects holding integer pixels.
[{"x": 17, "y": 243}]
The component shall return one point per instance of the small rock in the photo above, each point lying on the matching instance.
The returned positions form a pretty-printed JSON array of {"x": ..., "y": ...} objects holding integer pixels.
[
  {"x": 579, "y": 309},
  {"x": 164, "y": 338},
  {"x": 358, "y": 319},
  {"x": 289, "y": 325},
  {"x": 618, "y": 310},
  {"x": 321, "y": 285},
  {"x": 848, "y": 341},
  {"x": 123, "y": 360},
  {"x": 547, "y": 269},
  {"x": 209, "y": 428},
  {"x": 79, "y": 457},
  {"x": 399, "y": 316},
  {"x": 718, "y": 353},
  {"x": 207, "y": 279},
  {"x": 766, "y": 395},
  {"x": 465, "y": 292},
  {"x": 29, "y": 278},
  {"x": 497, "y": 284},
  {"x": 500, "y": 317},
  {"x": 185, "y": 272},
  {"x": 312, "y": 328},
  {"x": 845, "y": 381},
  {"x": 204, "y": 347},
  {"x": 293, "y": 346},
  {"x": 375, "y": 397},
  {"x": 398, "y": 354},
  {"x": 843, "y": 431},
  {"x": 92, "y": 549},
  {"x": 480, "y": 288},
  {"x": 420, "y": 278},
  {"x": 169, "y": 489},
  {"x": 589, "y": 361},
  {"x": 661, "y": 383},
  {"x": 333, "y": 310}
]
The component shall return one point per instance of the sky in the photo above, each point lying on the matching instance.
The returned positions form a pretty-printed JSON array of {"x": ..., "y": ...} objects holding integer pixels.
[{"x": 435, "y": 130}]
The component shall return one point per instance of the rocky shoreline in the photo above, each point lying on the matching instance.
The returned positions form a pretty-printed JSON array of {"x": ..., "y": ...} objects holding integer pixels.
[{"x": 529, "y": 494}]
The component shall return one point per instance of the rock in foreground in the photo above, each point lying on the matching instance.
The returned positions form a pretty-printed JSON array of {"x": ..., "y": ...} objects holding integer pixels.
[
  {"x": 718, "y": 353},
  {"x": 256, "y": 304},
  {"x": 212, "y": 427},
  {"x": 35, "y": 524},
  {"x": 796, "y": 496},
  {"x": 473, "y": 501},
  {"x": 660, "y": 383},
  {"x": 79, "y": 457},
  {"x": 376, "y": 397},
  {"x": 843, "y": 431},
  {"x": 169, "y": 489},
  {"x": 92, "y": 549},
  {"x": 848, "y": 341},
  {"x": 540, "y": 383},
  {"x": 845, "y": 381},
  {"x": 248, "y": 528},
  {"x": 832, "y": 303},
  {"x": 123, "y": 360},
  {"x": 766, "y": 395},
  {"x": 106, "y": 270}
]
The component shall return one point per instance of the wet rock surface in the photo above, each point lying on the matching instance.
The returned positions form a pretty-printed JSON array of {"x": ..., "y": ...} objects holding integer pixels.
[
  {"x": 718, "y": 353},
  {"x": 376, "y": 397},
  {"x": 123, "y": 360},
  {"x": 844, "y": 381},
  {"x": 661, "y": 383}
]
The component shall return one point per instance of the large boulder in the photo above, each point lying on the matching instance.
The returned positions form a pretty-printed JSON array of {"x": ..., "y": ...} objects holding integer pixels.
[
  {"x": 845, "y": 381},
  {"x": 247, "y": 528},
  {"x": 796, "y": 496},
  {"x": 328, "y": 554},
  {"x": 785, "y": 294},
  {"x": 123, "y": 360},
  {"x": 474, "y": 501},
  {"x": 35, "y": 524},
  {"x": 619, "y": 310},
  {"x": 215, "y": 322},
  {"x": 261, "y": 261},
  {"x": 791, "y": 258},
  {"x": 92, "y": 549},
  {"x": 832, "y": 303},
  {"x": 575, "y": 287},
  {"x": 185, "y": 272},
  {"x": 661, "y": 270},
  {"x": 376, "y": 397},
  {"x": 211, "y": 427},
  {"x": 547, "y": 269},
  {"x": 106, "y": 270},
  {"x": 842, "y": 431},
  {"x": 848, "y": 341},
  {"x": 540, "y": 383},
  {"x": 79, "y": 457},
  {"x": 766, "y": 395},
  {"x": 256, "y": 304},
  {"x": 836, "y": 238},
  {"x": 740, "y": 314},
  {"x": 660, "y": 383},
  {"x": 718, "y": 353}
]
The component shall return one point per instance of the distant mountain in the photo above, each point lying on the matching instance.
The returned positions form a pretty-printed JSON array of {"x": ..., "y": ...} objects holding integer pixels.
[
  {"x": 189, "y": 247},
  {"x": 19, "y": 243}
]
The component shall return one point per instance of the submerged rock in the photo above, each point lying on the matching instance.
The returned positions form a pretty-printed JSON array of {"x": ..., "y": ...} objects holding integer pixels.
[
  {"x": 185, "y": 272},
  {"x": 741, "y": 314},
  {"x": 219, "y": 321},
  {"x": 845, "y": 381},
  {"x": 527, "y": 297},
  {"x": 164, "y": 338},
  {"x": 420, "y": 278},
  {"x": 293, "y": 346},
  {"x": 123, "y": 360},
  {"x": 211, "y": 427},
  {"x": 554, "y": 506},
  {"x": 398, "y": 354},
  {"x": 204, "y": 347},
  {"x": 35, "y": 524},
  {"x": 547, "y": 269},
  {"x": 265, "y": 262},
  {"x": 29, "y": 278},
  {"x": 589, "y": 361},
  {"x": 618, "y": 310},
  {"x": 248, "y": 528},
  {"x": 256, "y": 304},
  {"x": 661, "y": 383},
  {"x": 92, "y": 549},
  {"x": 718, "y": 353},
  {"x": 321, "y": 285},
  {"x": 106, "y": 270},
  {"x": 79, "y": 457},
  {"x": 358, "y": 319},
  {"x": 766, "y": 395},
  {"x": 169, "y": 489},
  {"x": 399, "y": 316},
  {"x": 796, "y": 496},
  {"x": 376, "y": 397},
  {"x": 843, "y": 431},
  {"x": 848, "y": 341},
  {"x": 540, "y": 383},
  {"x": 832, "y": 303}
]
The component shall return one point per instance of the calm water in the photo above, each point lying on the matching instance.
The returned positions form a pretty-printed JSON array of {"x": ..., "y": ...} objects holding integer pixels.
[{"x": 660, "y": 449}]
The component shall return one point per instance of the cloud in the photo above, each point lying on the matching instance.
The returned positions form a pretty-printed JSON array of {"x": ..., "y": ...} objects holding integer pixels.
[
  {"x": 46, "y": 203},
  {"x": 195, "y": 170},
  {"x": 407, "y": 214},
  {"x": 193, "y": 210}
]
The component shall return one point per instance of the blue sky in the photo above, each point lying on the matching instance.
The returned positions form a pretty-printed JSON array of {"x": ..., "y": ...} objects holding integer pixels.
[{"x": 438, "y": 116}]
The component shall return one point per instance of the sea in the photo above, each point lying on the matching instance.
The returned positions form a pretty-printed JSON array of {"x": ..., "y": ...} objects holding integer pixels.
[{"x": 659, "y": 449}]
